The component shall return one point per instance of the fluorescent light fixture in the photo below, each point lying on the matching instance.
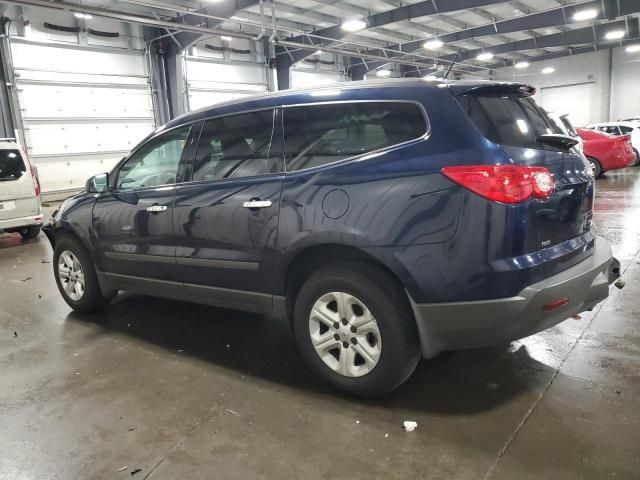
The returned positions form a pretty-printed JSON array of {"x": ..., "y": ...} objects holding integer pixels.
[
  {"x": 433, "y": 44},
  {"x": 383, "y": 73},
  {"x": 547, "y": 70},
  {"x": 614, "y": 35},
  {"x": 485, "y": 56},
  {"x": 522, "y": 64},
  {"x": 84, "y": 16},
  {"x": 587, "y": 14},
  {"x": 353, "y": 25},
  {"x": 226, "y": 38},
  {"x": 633, "y": 48}
]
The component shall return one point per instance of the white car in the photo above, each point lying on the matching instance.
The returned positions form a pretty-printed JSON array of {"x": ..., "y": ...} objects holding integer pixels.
[
  {"x": 20, "y": 205},
  {"x": 630, "y": 127}
]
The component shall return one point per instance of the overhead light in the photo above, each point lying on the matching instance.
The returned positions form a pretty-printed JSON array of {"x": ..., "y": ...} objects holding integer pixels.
[
  {"x": 225, "y": 38},
  {"x": 614, "y": 34},
  {"x": 633, "y": 48},
  {"x": 84, "y": 16},
  {"x": 485, "y": 56},
  {"x": 547, "y": 70},
  {"x": 383, "y": 73},
  {"x": 430, "y": 78},
  {"x": 522, "y": 64},
  {"x": 433, "y": 44},
  {"x": 587, "y": 14},
  {"x": 353, "y": 25}
]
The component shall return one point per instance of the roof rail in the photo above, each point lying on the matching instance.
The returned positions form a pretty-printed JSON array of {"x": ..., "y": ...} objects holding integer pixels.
[{"x": 8, "y": 139}]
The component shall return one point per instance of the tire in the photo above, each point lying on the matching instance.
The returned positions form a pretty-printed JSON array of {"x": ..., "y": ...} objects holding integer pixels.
[
  {"x": 393, "y": 351},
  {"x": 595, "y": 165},
  {"x": 637, "y": 162},
  {"x": 29, "y": 233},
  {"x": 91, "y": 298}
]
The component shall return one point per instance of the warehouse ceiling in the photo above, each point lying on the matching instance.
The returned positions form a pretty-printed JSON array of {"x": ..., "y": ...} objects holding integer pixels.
[{"x": 483, "y": 34}]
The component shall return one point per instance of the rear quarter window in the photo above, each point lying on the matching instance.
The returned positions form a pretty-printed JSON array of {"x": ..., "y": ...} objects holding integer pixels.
[
  {"x": 11, "y": 165},
  {"x": 509, "y": 119},
  {"x": 321, "y": 134}
]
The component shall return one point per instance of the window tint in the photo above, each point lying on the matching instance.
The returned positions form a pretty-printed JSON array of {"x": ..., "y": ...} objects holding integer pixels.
[
  {"x": 320, "y": 134},
  {"x": 610, "y": 129},
  {"x": 625, "y": 130},
  {"x": 236, "y": 146},
  {"x": 11, "y": 165},
  {"x": 509, "y": 120},
  {"x": 155, "y": 163}
]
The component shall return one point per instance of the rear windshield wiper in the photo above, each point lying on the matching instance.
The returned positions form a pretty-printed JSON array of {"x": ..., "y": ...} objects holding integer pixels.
[{"x": 557, "y": 140}]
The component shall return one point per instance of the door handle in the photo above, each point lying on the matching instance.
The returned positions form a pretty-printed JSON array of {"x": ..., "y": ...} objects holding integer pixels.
[
  {"x": 156, "y": 208},
  {"x": 255, "y": 203}
]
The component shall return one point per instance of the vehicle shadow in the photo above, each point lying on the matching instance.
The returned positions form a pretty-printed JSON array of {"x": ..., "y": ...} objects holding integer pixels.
[{"x": 453, "y": 383}]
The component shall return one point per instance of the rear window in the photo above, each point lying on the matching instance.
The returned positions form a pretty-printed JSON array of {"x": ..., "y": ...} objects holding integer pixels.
[
  {"x": 509, "y": 120},
  {"x": 321, "y": 134},
  {"x": 11, "y": 165}
]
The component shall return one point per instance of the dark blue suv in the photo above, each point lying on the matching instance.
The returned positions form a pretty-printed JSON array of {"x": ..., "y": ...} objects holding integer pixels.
[{"x": 387, "y": 220}]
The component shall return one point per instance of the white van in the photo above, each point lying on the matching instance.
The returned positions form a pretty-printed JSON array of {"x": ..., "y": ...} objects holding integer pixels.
[{"x": 20, "y": 206}]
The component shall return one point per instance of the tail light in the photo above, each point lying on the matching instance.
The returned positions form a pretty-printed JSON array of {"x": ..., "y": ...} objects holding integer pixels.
[
  {"x": 36, "y": 182},
  {"x": 509, "y": 184}
]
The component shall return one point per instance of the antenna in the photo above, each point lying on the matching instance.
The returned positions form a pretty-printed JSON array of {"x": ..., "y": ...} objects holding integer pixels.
[{"x": 452, "y": 62}]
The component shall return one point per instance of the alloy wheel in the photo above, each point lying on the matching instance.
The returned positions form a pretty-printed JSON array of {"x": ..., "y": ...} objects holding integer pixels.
[{"x": 71, "y": 275}]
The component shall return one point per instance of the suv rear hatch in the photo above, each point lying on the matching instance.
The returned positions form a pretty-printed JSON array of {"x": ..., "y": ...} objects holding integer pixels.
[
  {"x": 506, "y": 115},
  {"x": 18, "y": 185}
]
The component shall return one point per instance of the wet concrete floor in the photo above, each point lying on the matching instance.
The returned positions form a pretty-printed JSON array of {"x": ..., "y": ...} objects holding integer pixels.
[{"x": 191, "y": 392}]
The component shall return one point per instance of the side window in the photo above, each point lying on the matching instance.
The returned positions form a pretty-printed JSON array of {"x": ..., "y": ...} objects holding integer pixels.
[
  {"x": 320, "y": 134},
  {"x": 625, "y": 130},
  {"x": 611, "y": 129},
  {"x": 155, "y": 163},
  {"x": 236, "y": 146}
]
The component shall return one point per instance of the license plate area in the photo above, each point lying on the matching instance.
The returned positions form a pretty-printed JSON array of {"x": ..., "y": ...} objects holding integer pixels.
[{"x": 6, "y": 206}]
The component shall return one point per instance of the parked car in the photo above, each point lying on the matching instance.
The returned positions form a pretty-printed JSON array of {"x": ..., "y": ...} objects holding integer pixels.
[
  {"x": 566, "y": 127},
  {"x": 606, "y": 152},
  {"x": 387, "y": 220},
  {"x": 20, "y": 206},
  {"x": 621, "y": 128}
]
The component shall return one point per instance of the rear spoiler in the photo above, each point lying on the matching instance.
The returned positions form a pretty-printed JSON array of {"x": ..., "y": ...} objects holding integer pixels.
[{"x": 492, "y": 89}]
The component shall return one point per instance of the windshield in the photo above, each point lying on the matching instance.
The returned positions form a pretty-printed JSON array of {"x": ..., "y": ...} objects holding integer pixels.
[
  {"x": 11, "y": 165},
  {"x": 509, "y": 119}
]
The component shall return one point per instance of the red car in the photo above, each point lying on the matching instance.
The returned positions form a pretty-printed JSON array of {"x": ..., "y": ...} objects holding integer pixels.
[{"x": 606, "y": 152}]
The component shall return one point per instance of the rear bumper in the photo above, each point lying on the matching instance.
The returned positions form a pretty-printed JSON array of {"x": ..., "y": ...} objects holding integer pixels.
[
  {"x": 20, "y": 222},
  {"x": 458, "y": 325}
]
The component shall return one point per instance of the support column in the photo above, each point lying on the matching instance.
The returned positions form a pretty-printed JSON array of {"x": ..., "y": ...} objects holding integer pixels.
[
  {"x": 7, "y": 124},
  {"x": 283, "y": 68},
  {"x": 357, "y": 69}
]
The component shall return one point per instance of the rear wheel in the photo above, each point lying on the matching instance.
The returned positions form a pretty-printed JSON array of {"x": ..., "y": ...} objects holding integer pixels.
[
  {"x": 637, "y": 163},
  {"x": 355, "y": 328},
  {"x": 76, "y": 276},
  {"x": 30, "y": 232},
  {"x": 595, "y": 166}
]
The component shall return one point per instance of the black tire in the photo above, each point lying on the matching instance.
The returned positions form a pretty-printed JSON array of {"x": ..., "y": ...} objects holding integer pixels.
[
  {"x": 637, "y": 163},
  {"x": 595, "y": 165},
  {"x": 92, "y": 300},
  {"x": 29, "y": 233},
  {"x": 387, "y": 301}
]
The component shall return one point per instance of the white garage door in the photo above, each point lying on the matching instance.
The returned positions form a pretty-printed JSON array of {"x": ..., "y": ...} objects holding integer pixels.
[
  {"x": 305, "y": 79},
  {"x": 82, "y": 108},
  {"x": 210, "y": 82},
  {"x": 576, "y": 100}
]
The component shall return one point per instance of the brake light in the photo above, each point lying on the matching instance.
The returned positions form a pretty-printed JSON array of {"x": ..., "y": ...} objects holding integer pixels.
[
  {"x": 36, "y": 182},
  {"x": 509, "y": 184}
]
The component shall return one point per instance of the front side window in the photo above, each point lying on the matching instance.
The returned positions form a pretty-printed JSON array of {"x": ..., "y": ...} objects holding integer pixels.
[
  {"x": 11, "y": 165},
  {"x": 513, "y": 120},
  {"x": 236, "y": 146},
  {"x": 321, "y": 134},
  {"x": 155, "y": 163}
]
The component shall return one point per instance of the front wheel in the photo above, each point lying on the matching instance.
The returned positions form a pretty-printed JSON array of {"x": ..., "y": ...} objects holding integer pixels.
[
  {"x": 76, "y": 276},
  {"x": 355, "y": 328},
  {"x": 595, "y": 166}
]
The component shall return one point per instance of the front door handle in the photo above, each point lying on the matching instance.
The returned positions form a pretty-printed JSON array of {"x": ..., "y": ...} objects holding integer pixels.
[
  {"x": 255, "y": 203},
  {"x": 156, "y": 208}
]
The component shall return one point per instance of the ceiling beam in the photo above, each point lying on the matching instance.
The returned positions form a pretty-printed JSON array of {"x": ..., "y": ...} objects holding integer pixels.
[
  {"x": 548, "y": 18},
  {"x": 406, "y": 12}
]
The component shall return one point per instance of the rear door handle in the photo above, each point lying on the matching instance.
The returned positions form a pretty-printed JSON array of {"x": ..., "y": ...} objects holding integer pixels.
[
  {"x": 157, "y": 208},
  {"x": 257, "y": 204}
]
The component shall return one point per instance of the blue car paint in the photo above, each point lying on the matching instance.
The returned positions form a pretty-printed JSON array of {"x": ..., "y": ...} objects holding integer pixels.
[{"x": 443, "y": 242}]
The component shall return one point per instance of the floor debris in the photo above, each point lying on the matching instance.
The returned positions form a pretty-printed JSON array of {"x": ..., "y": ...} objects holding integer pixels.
[
  {"x": 26, "y": 279},
  {"x": 232, "y": 412},
  {"x": 122, "y": 469},
  {"x": 15, "y": 334},
  {"x": 410, "y": 426},
  {"x": 137, "y": 470}
]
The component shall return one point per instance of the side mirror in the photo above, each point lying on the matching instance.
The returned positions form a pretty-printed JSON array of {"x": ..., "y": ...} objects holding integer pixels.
[{"x": 98, "y": 183}]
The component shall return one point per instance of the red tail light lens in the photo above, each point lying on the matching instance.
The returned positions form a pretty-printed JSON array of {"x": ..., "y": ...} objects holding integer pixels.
[
  {"x": 509, "y": 184},
  {"x": 36, "y": 182}
]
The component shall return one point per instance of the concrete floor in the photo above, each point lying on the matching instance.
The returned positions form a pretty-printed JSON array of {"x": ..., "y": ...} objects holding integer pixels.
[{"x": 191, "y": 392}]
